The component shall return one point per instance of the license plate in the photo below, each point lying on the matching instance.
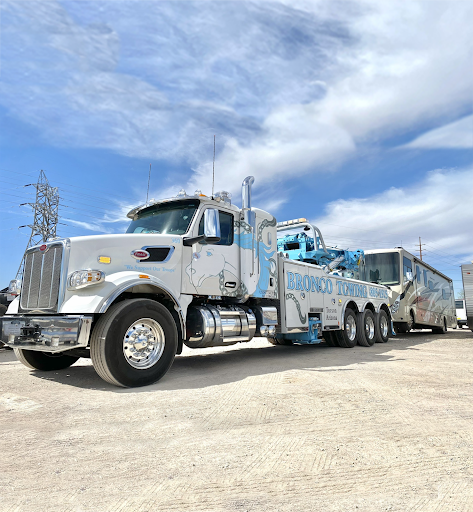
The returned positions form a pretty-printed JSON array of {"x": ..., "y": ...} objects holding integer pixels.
[{"x": 12, "y": 327}]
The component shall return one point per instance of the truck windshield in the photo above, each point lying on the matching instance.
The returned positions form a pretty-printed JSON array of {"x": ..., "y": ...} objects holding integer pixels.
[
  {"x": 382, "y": 268},
  {"x": 172, "y": 218}
]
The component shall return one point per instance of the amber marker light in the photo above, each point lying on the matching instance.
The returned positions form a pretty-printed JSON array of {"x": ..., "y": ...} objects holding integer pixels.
[
  {"x": 143, "y": 276},
  {"x": 104, "y": 259}
]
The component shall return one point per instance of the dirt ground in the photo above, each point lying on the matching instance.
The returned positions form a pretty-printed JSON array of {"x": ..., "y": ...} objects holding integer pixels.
[{"x": 252, "y": 427}]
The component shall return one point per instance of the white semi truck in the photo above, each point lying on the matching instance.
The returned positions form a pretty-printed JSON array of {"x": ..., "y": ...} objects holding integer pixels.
[{"x": 192, "y": 270}]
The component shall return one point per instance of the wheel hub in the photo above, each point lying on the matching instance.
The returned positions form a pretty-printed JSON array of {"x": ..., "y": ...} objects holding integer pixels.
[
  {"x": 384, "y": 327},
  {"x": 369, "y": 328},
  {"x": 350, "y": 328},
  {"x": 143, "y": 343}
]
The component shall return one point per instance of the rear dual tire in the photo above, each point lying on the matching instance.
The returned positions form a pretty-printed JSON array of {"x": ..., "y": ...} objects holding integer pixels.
[
  {"x": 346, "y": 337},
  {"x": 364, "y": 328}
]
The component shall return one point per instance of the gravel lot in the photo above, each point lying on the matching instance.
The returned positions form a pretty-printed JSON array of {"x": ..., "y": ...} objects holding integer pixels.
[{"x": 252, "y": 427}]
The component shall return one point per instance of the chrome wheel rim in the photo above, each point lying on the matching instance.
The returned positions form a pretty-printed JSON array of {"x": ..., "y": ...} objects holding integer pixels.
[
  {"x": 143, "y": 343},
  {"x": 350, "y": 328},
  {"x": 384, "y": 327},
  {"x": 369, "y": 328}
]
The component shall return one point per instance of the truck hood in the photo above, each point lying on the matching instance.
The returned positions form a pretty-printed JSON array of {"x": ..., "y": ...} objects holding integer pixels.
[
  {"x": 85, "y": 251},
  {"x": 163, "y": 266}
]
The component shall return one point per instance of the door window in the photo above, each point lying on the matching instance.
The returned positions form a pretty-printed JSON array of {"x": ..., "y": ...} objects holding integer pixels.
[{"x": 226, "y": 228}]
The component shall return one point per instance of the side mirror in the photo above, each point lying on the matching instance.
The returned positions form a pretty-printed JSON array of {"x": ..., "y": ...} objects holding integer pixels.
[
  {"x": 211, "y": 229},
  {"x": 211, "y": 226},
  {"x": 408, "y": 277}
]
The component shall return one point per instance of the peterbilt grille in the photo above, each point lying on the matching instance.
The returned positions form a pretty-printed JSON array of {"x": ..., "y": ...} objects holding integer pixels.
[{"x": 41, "y": 278}]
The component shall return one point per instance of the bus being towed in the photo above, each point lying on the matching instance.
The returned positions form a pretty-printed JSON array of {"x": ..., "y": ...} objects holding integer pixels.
[{"x": 422, "y": 297}]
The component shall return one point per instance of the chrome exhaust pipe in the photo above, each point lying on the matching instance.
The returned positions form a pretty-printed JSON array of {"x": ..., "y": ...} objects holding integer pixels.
[{"x": 246, "y": 192}]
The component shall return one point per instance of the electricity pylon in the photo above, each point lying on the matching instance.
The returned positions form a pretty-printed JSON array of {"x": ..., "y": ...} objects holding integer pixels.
[{"x": 46, "y": 215}]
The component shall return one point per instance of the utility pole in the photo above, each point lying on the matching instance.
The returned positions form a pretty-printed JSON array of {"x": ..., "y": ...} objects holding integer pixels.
[
  {"x": 419, "y": 245},
  {"x": 46, "y": 215}
]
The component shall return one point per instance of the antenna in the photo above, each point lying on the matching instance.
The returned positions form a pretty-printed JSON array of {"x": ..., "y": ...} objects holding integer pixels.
[
  {"x": 149, "y": 177},
  {"x": 213, "y": 171}
]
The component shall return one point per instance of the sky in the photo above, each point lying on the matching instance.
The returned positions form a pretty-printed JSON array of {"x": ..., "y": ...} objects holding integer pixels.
[{"x": 355, "y": 115}]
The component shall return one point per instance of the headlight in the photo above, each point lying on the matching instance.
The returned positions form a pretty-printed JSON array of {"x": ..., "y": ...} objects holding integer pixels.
[
  {"x": 14, "y": 287},
  {"x": 82, "y": 278}
]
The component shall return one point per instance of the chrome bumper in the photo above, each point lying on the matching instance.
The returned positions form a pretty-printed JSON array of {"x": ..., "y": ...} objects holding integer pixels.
[{"x": 45, "y": 333}]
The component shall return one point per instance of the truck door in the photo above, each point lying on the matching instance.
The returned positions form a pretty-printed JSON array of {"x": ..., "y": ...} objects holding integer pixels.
[{"x": 215, "y": 268}]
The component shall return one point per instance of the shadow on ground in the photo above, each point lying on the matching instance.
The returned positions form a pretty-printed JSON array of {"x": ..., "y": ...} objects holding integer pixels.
[{"x": 204, "y": 368}]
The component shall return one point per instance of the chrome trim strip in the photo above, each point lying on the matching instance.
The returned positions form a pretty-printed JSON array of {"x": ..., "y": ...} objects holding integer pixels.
[{"x": 66, "y": 250}]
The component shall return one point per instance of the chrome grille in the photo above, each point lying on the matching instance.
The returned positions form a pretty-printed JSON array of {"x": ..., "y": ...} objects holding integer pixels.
[{"x": 41, "y": 278}]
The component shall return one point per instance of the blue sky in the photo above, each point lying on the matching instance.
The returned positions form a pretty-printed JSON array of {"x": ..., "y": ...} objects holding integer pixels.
[{"x": 356, "y": 115}]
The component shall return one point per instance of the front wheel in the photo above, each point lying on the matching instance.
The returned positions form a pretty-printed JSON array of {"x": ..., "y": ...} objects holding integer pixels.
[
  {"x": 44, "y": 361},
  {"x": 134, "y": 343},
  {"x": 441, "y": 330}
]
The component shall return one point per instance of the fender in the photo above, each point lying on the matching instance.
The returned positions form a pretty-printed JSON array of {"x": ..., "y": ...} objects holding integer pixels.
[{"x": 150, "y": 281}]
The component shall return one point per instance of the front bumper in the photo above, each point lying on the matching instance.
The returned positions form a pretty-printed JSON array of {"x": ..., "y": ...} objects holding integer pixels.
[{"x": 46, "y": 333}]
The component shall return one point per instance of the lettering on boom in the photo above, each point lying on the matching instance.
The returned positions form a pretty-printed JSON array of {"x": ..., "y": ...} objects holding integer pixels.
[{"x": 309, "y": 283}]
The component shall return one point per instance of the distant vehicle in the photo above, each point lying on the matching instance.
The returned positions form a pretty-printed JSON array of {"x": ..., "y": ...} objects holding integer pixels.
[
  {"x": 6, "y": 297},
  {"x": 467, "y": 276},
  {"x": 422, "y": 296},
  {"x": 461, "y": 312}
]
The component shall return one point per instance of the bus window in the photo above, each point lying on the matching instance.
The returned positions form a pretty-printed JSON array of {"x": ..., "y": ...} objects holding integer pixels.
[
  {"x": 425, "y": 277},
  {"x": 406, "y": 267},
  {"x": 418, "y": 273}
]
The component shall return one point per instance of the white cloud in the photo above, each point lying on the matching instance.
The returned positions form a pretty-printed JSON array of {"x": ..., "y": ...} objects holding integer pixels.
[
  {"x": 456, "y": 135},
  {"x": 296, "y": 92},
  {"x": 437, "y": 209},
  {"x": 90, "y": 226}
]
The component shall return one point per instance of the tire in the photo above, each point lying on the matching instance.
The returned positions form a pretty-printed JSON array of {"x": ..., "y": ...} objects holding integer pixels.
[
  {"x": 44, "y": 361},
  {"x": 403, "y": 327},
  {"x": 330, "y": 338},
  {"x": 279, "y": 341},
  {"x": 123, "y": 362},
  {"x": 366, "y": 328},
  {"x": 441, "y": 330},
  {"x": 382, "y": 327},
  {"x": 347, "y": 337},
  {"x": 282, "y": 341}
]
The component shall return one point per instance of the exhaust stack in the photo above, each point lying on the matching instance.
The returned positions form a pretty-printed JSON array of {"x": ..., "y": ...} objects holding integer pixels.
[{"x": 246, "y": 192}]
